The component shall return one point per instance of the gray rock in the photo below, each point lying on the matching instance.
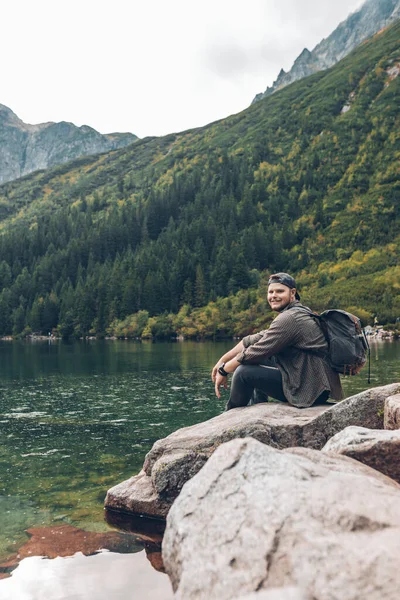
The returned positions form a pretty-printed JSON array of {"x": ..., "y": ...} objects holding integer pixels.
[
  {"x": 175, "y": 459},
  {"x": 365, "y": 409},
  {"x": 138, "y": 496},
  {"x": 26, "y": 148},
  {"x": 370, "y": 18},
  {"x": 377, "y": 448},
  {"x": 392, "y": 412},
  {"x": 256, "y": 518}
]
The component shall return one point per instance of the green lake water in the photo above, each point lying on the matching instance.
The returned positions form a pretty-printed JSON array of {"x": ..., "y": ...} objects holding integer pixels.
[{"x": 78, "y": 418}]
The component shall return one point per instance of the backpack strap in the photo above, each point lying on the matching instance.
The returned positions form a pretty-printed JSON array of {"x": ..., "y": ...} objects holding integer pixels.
[{"x": 322, "y": 325}]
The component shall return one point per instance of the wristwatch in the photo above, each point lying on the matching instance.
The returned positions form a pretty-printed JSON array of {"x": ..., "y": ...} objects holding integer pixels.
[{"x": 222, "y": 371}]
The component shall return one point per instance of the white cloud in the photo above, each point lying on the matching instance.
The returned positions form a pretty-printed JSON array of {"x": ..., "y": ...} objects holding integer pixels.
[{"x": 151, "y": 67}]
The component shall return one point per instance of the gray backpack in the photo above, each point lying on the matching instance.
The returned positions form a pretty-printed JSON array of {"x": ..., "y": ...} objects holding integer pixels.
[{"x": 347, "y": 343}]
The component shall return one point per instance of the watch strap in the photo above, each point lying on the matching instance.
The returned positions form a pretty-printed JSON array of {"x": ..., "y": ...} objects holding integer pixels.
[{"x": 222, "y": 371}]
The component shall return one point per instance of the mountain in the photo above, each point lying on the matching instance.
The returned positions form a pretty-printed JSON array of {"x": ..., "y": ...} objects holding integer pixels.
[
  {"x": 305, "y": 181},
  {"x": 373, "y": 16},
  {"x": 25, "y": 148}
]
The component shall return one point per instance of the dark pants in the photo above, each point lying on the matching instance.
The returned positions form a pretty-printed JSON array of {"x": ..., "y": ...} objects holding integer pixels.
[{"x": 255, "y": 383}]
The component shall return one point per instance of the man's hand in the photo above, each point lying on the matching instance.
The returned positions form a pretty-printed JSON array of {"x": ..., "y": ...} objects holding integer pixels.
[
  {"x": 220, "y": 380},
  {"x": 215, "y": 371},
  {"x": 228, "y": 357}
]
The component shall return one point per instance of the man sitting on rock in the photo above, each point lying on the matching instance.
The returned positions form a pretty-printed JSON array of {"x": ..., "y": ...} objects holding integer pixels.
[{"x": 286, "y": 361}]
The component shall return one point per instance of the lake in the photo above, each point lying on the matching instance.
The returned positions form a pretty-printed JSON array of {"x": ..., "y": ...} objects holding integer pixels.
[{"x": 78, "y": 418}]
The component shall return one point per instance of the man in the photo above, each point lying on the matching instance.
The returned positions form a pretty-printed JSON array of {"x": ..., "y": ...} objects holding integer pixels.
[{"x": 286, "y": 361}]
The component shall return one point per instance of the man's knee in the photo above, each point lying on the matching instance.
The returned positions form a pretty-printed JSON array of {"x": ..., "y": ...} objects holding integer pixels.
[{"x": 239, "y": 373}]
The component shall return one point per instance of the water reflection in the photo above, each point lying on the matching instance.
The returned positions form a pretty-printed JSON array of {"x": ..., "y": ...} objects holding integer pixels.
[
  {"x": 99, "y": 577},
  {"x": 25, "y": 360},
  {"x": 149, "y": 531}
]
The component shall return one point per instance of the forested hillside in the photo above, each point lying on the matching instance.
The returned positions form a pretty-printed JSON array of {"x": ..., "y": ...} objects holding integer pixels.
[{"x": 305, "y": 181}]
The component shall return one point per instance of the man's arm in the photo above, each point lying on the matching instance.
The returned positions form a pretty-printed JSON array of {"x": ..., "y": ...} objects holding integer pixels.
[
  {"x": 238, "y": 349},
  {"x": 283, "y": 332},
  {"x": 227, "y": 357},
  {"x": 230, "y": 360},
  {"x": 230, "y": 365}
]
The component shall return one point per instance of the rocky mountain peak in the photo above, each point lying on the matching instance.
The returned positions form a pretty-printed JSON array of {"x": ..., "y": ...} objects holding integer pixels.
[
  {"x": 25, "y": 148},
  {"x": 8, "y": 116},
  {"x": 304, "y": 56},
  {"x": 373, "y": 16}
]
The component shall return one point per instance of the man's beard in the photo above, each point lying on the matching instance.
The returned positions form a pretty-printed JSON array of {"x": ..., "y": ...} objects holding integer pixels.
[{"x": 281, "y": 308}]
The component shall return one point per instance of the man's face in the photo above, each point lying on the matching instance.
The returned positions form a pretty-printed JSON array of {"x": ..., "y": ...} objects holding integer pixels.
[{"x": 279, "y": 296}]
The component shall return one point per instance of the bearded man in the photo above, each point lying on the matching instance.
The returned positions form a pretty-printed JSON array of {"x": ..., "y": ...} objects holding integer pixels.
[{"x": 286, "y": 362}]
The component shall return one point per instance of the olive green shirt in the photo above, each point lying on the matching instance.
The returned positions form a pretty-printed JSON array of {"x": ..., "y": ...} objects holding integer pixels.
[{"x": 297, "y": 343}]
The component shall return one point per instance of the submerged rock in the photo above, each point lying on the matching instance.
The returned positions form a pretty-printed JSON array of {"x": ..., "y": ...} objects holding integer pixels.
[
  {"x": 66, "y": 540},
  {"x": 377, "y": 448},
  {"x": 177, "y": 458},
  {"x": 256, "y": 518}
]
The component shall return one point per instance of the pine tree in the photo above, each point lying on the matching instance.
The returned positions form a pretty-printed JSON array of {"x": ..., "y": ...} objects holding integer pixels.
[{"x": 200, "y": 287}]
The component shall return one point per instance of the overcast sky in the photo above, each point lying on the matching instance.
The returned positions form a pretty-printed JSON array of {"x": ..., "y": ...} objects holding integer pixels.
[{"x": 155, "y": 66}]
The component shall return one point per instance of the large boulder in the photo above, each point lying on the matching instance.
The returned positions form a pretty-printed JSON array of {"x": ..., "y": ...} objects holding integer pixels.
[
  {"x": 256, "y": 518},
  {"x": 177, "y": 458},
  {"x": 392, "y": 412},
  {"x": 377, "y": 448}
]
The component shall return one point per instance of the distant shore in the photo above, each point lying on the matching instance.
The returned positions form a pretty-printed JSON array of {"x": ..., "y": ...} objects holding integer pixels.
[{"x": 372, "y": 333}]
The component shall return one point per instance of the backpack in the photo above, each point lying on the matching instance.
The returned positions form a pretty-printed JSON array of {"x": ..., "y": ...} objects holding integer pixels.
[{"x": 347, "y": 343}]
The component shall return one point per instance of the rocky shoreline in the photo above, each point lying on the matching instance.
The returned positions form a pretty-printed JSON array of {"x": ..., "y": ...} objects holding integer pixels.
[{"x": 270, "y": 496}]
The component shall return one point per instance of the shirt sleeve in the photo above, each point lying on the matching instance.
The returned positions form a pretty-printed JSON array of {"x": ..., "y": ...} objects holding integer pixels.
[
  {"x": 249, "y": 340},
  {"x": 283, "y": 332}
]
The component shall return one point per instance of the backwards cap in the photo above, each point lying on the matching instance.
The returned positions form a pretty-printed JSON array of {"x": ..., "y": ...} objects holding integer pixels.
[{"x": 284, "y": 279}]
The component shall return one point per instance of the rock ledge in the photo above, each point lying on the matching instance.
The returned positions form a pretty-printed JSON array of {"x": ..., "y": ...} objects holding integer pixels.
[{"x": 177, "y": 458}]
